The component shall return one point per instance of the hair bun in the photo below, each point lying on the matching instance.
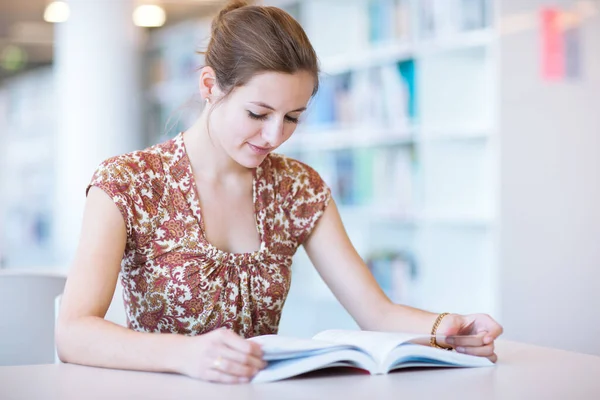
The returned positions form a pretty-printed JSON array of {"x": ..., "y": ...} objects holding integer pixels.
[
  {"x": 233, "y": 5},
  {"x": 230, "y": 6}
]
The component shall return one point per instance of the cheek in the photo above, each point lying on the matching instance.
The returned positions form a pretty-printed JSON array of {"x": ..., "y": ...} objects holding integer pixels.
[
  {"x": 230, "y": 123},
  {"x": 241, "y": 128},
  {"x": 289, "y": 130}
]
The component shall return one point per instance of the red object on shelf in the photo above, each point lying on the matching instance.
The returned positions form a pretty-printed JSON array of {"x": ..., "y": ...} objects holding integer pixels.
[{"x": 553, "y": 46}]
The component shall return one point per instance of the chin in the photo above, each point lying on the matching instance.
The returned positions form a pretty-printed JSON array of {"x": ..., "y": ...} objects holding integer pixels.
[
  {"x": 250, "y": 161},
  {"x": 249, "y": 158}
]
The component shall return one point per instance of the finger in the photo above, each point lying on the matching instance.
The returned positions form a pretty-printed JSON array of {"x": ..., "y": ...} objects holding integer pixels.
[
  {"x": 213, "y": 375},
  {"x": 482, "y": 351},
  {"x": 234, "y": 368},
  {"x": 493, "y": 358},
  {"x": 492, "y": 333},
  {"x": 236, "y": 342},
  {"x": 242, "y": 358},
  {"x": 467, "y": 341}
]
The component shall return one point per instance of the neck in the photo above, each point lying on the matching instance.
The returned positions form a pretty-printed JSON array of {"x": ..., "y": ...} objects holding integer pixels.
[{"x": 208, "y": 158}]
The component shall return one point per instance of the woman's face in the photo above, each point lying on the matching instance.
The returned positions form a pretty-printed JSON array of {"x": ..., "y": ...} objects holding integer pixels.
[{"x": 260, "y": 116}]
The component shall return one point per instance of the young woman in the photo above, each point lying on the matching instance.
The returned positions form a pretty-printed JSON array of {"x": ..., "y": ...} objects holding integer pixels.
[{"x": 203, "y": 227}]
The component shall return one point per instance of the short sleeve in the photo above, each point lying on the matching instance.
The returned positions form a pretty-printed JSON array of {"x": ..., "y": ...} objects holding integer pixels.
[
  {"x": 116, "y": 178},
  {"x": 310, "y": 198}
]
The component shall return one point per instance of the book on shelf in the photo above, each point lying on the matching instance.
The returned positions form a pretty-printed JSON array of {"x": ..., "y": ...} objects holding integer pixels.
[
  {"x": 363, "y": 176},
  {"x": 395, "y": 272},
  {"x": 388, "y": 20},
  {"x": 440, "y": 18},
  {"x": 374, "y": 352},
  {"x": 344, "y": 188},
  {"x": 396, "y": 99},
  {"x": 380, "y": 21},
  {"x": 475, "y": 14},
  {"x": 382, "y": 180},
  {"x": 394, "y": 177},
  {"x": 379, "y": 96}
]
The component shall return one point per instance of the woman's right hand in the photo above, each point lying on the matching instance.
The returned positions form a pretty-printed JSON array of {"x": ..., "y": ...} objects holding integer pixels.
[{"x": 220, "y": 356}]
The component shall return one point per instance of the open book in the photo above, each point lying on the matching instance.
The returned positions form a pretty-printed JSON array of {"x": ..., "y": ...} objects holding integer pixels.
[{"x": 375, "y": 352}]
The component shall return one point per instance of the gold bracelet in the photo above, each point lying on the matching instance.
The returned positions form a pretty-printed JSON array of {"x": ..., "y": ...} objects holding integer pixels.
[{"x": 436, "y": 324}]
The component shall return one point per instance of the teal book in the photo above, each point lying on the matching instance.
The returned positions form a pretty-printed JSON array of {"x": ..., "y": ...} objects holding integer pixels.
[
  {"x": 408, "y": 73},
  {"x": 381, "y": 20},
  {"x": 363, "y": 185}
]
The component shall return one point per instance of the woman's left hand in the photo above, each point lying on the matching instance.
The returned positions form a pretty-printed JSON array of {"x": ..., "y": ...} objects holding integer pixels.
[{"x": 470, "y": 334}]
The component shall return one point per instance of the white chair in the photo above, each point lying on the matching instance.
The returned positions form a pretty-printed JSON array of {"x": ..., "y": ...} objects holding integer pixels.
[
  {"x": 27, "y": 316},
  {"x": 115, "y": 312}
]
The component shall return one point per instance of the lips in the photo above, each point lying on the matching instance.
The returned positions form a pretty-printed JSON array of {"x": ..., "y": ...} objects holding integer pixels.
[{"x": 260, "y": 150}]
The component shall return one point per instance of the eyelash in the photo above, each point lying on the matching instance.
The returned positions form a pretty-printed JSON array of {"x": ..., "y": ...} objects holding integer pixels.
[{"x": 263, "y": 117}]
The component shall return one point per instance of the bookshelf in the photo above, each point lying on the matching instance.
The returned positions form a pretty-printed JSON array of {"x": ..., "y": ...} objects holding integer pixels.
[
  {"x": 27, "y": 135},
  {"x": 171, "y": 100},
  {"x": 405, "y": 133}
]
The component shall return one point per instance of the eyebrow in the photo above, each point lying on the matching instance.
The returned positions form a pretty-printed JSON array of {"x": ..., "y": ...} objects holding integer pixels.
[{"x": 258, "y": 103}]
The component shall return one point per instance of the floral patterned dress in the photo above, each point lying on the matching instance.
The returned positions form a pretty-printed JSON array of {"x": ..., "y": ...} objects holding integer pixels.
[{"x": 173, "y": 279}]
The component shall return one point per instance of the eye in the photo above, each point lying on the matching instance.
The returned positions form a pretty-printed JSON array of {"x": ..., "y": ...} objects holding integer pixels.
[
  {"x": 292, "y": 119},
  {"x": 257, "y": 116}
]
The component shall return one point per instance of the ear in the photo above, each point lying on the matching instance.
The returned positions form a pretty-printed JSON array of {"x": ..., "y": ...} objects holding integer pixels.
[{"x": 209, "y": 89}]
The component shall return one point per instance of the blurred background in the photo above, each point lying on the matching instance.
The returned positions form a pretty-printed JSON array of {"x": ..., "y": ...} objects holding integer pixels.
[{"x": 459, "y": 137}]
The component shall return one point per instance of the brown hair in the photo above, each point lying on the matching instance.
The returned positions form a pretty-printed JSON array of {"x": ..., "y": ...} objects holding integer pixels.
[{"x": 247, "y": 40}]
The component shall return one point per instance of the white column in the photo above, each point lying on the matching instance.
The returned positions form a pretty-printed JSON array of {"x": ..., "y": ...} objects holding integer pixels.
[{"x": 98, "y": 70}]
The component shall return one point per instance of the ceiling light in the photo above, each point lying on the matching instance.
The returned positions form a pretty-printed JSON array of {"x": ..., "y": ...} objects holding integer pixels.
[
  {"x": 149, "y": 16},
  {"x": 57, "y": 11}
]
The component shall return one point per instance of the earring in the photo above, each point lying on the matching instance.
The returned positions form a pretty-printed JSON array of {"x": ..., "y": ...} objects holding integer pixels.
[{"x": 207, "y": 100}]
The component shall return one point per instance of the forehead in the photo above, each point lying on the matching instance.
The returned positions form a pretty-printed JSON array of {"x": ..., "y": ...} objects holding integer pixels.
[{"x": 281, "y": 89}]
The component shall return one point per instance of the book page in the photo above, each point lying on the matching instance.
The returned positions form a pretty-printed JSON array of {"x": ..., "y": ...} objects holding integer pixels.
[
  {"x": 425, "y": 356},
  {"x": 276, "y": 347},
  {"x": 378, "y": 344},
  {"x": 286, "y": 368}
]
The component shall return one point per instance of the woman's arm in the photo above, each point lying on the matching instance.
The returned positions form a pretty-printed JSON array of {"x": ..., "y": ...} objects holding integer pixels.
[
  {"x": 346, "y": 274},
  {"x": 84, "y": 337}
]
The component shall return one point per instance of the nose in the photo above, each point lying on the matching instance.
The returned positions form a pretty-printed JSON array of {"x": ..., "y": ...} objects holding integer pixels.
[{"x": 273, "y": 132}]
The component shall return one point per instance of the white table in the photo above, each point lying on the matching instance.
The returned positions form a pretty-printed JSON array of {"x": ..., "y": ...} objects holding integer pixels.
[{"x": 523, "y": 372}]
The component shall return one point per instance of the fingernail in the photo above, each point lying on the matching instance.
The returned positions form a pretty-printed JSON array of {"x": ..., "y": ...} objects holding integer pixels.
[
  {"x": 460, "y": 349},
  {"x": 487, "y": 340},
  {"x": 244, "y": 380}
]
